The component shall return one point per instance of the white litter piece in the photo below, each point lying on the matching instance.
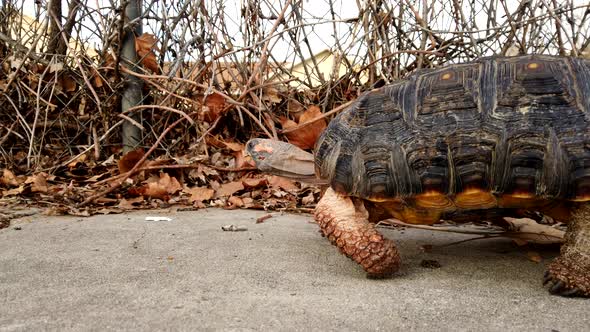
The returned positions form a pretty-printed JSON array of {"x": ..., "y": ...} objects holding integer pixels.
[
  {"x": 233, "y": 228},
  {"x": 158, "y": 219}
]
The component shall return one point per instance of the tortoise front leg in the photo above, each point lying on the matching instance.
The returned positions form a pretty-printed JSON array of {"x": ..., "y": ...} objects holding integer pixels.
[
  {"x": 569, "y": 274},
  {"x": 345, "y": 223}
]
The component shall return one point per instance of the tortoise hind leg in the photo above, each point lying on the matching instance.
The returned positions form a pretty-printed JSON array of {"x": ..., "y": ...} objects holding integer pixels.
[
  {"x": 569, "y": 274},
  {"x": 345, "y": 223}
]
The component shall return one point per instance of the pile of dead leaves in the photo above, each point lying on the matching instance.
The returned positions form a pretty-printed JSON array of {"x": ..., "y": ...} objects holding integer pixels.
[{"x": 226, "y": 178}]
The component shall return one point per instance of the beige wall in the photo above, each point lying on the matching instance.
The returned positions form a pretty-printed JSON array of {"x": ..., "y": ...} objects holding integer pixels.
[{"x": 329, "y": 64}]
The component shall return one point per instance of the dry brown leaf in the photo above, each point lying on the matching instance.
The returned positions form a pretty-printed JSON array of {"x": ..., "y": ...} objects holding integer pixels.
[
  {"x": 305, "y": 137},
  {"x": 235, "y": 147},
  {"x": 96, "y": 79},
  {"x": 228, "y": 189},
  {"x": 128, "y": 161},
  {"x": 309, "y": 199},
  {"x": 145, "y": 45},
  {"x": 215, "y": 141},
  {"x": 81, "y": 159},
  {"x": 235, "y": 202},
  {"x": 14, "y": 191},
  {"x": 162, "y": 188},
  {"x": 38, "y": 182},
  {"x": 287, "y": 123},
  {"x": 8, "y": 178},
  {"x": 248, "y": 202},
  {"x": 254, "y": 183},
  {"x": 271, "y": 95},
  {"x": 97, "y": 177},
  {"x": 130, "y": 203},
  {"x": 218, "y": 142},
  {"x": 534, "y": 256},
  {"x": 295, "y": 109},
  {"x": 526, "y": 229},
  {"x": 213, "y": 107},
  {"x": 214, "y": 185},
  {"x": 66, "y": 83},
  {"x": 242, "y": 160},
  {"x": 281, "y": 182},
  {"x": 520, "y": 242},
  {"x": 199, "y": 194}
]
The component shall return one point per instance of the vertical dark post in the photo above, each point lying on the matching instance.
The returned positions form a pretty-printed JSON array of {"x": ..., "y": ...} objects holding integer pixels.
[
  {"x": 54, "y": 9},
  {"x": 132, "y": 95},
  {"x": 4, "y": 24}
]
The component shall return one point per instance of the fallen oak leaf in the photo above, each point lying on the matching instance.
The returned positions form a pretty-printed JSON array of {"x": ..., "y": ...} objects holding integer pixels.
[
  {"x": 235, "y": 147},
  {"x": 271, "y": 95},
  {"x": 80, "y": 160},
  {"x": 306, "y": 136},
  {"x": 220, "y": 143},
  {"x": 14, "y": 191},
  {"x": 145, "y": 45},
  {"x": 128, "y": 161},
  {"x": 228, "y": 189},
  {"x": 249, "y": 203},
  {"x": 161, "y": 188},
  {"x": 130, "y": 203},
  {"x": 235, "y": 202},
  {"x": 66, "y": 83},
  {"x": 213, "y": 107},
  {"x": 534, "y": 256},
  {"x": 250, "y": 183},
  {"x": 199, "y": 194},
  {"x": 526, "y": 229},
  {"x": 38, "y": 182},
  {"x": 309, "y": 199},
  {"x": 8, "y": 178},
  {"x": 276, "y": 181}
]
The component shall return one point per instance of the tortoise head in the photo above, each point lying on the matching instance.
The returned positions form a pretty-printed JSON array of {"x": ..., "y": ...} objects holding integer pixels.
[{"x": 282, "y": 159}]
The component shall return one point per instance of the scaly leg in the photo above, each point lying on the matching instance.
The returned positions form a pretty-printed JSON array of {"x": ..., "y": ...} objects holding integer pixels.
[
  {"x": 347, "y": 225},
  {"x": 569, "y": 274}
]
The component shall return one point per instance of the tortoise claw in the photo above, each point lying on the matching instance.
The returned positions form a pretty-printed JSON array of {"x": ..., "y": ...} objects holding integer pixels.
[
  {"x": 559, "y": 287},
  {"x": 547, "y": 278},
  {"x": 571, "y": 292}
]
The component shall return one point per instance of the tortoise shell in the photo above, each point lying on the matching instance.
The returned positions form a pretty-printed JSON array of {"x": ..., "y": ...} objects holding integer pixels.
[{"x": 499, "y": 132}]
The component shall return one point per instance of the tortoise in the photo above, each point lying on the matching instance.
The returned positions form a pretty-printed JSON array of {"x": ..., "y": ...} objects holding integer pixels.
[{"x": 482, "y": 139}]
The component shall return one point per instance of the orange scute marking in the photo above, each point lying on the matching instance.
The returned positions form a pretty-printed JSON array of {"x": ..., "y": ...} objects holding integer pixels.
[
  {"x": 522, "y": 195},
  {"x": 420, "y": 217},
  {"x": 434, "y": 200},
  {"x": 584, "y": 198},
  {"x": 384, "y": 199},
  {"x": 519, "y": 200},
  {"x": 475, "y": 199},
  {"x": 533, "y": 65}
]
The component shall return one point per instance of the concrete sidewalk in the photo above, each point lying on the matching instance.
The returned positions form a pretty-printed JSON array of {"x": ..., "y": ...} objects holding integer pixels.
[{"x": 120, "y": 272}]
